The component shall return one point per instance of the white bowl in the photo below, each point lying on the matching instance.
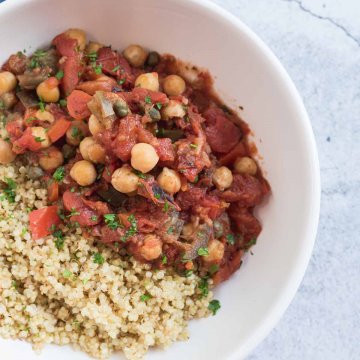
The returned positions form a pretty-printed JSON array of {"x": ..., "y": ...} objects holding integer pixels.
[{"x": 247, "y": 74}]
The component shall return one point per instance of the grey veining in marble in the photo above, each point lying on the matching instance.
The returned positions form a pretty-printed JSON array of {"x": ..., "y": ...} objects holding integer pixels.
[{"x": 318, "y": 42}]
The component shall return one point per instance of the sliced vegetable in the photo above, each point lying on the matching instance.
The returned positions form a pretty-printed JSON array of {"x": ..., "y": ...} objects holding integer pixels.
[
  {"x": 42, "y": 221},
  {"x": 77, "y": 104},
  {"x": 58, "y": 129}
]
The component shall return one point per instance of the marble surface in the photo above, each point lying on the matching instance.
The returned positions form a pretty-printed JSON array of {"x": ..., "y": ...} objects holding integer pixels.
[{"x": 318, "y": 42}]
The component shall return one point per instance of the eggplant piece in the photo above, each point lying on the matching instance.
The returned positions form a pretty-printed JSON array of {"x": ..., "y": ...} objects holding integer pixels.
[
  {"x": 101, "y": 106},
  {"x": 172, "y": 227},
  {"x": 32, "y": 78},
  {"x": 200, "y": 238},
  {"x": 112, "y": 197},
  {"x": 28, "y": 98}
]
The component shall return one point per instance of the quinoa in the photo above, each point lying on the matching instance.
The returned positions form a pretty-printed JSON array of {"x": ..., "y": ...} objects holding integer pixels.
[{"x": 59, "y": 294}]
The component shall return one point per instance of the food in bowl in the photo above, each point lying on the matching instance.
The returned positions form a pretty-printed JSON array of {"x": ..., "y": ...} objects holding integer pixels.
[{"x": 128, "y": 190}]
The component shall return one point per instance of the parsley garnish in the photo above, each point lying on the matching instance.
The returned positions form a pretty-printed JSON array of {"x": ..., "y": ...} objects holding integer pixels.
[
  {"x": 145, "y": 297},
  {"x": 59, "y": 75},
  {"x": 164, "y": 259},
  {"x": 41, "y": 105},
  {"x": 92, "y": 56},
  {"x": 213, "y": 269},
  {"x": 59, "y": 242},
  {"x": 204, "y": 287},
  {"x": 139, "y": 174},
  {"x": 73, "y": 212},
  {"x": 98, "y": 259},
  {"x": 203, "y": 251},
  {"x": 34, "y": 62},
  {"x": 59, "y": 174},
  {"x": 148, "y": 99},
  {"x": 193, "y": 146},
  {"x": 121, "y": 81},
  {"x": 157, "y": 196},
  {"x": 98, "y": 69},
  {"x": 116, "y": 68},
  {"x": 230, "y": 238},
  {"x": 75, "y": 132},
  {"x": 111, "y": 221},
  {"x": 166, "y": 207},
  {"x": 94, "y": 218},
  {"x": 188, "y": 273},
  {"x": 67, "y": 273},
  {"x": 2, "y": 105},
  {"x": 214, "y": 306},
  {"x": 170, "y": 230},
  {"x": 63, "y": 102},
  {"x": 159, "y": 105},
  {"x": 9, "y": 192},
  {"x": 132, "y": 230},
  {"x": 251, "y": 242},
  {"x": 38, "y": 139}
]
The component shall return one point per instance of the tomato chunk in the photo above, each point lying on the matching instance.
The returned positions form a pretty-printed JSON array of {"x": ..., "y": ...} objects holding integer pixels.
[
  {"x": 58, "y": 129},
  {"x": 77, "y": 104},
  {"x": 43, "y": 220}
]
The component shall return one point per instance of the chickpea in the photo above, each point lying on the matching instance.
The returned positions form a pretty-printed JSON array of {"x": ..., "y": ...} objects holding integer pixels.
[
  {"x": 95, "y": 126},
  {"x": 51, "y": 159},
  {"x": 174, "y": 85},
  {"x": 216, "y": 251},
  {"x": 40, "y": 135},
  {"x": 135, "y": 55},
  {"x": 245, "y": 165},
  {"x": 148, "y": 81},
  {"x": 151, "y": 248},
  {"x": 45, "y": 116},
  {"x": 143, "y": 157},
  {"x": 83, "y": 172},
  {"x": 169, "y": 180},
  {"x": 6, "y": 153},
  {"x": 222, "y": 178},
  {"x": 124, "y": 180},
  {"x": 7, "y": 82},
  {"x": 93, "y": 47},
  {"x": 92, "y": 151},
  {"x": 187, "y": 230},
  {"x": 8, "y": 100},
  {"x": 173, "y": 109},
  {"x": 48, "y": 90},
  {"x": 79, "y": 36},
  {"x": 76, "y": 132}
]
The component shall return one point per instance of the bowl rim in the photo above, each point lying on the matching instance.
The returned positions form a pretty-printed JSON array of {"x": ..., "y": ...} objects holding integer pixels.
[{"x": 298, "y": 271}]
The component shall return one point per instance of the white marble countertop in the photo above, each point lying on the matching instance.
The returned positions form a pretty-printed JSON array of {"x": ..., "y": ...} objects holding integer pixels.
[{"x": 318, "y": 42}]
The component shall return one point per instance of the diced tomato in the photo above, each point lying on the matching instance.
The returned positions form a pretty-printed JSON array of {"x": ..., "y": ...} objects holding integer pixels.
[
  {"x": 53, "y": 191},
  {"x": 26, "y": 141},
  {"x": 77, "y": 104},
  {"x": 238, "y": 151},
  {"x": 65, "y": 45},
  {"x": 58, "y": 129},
  {"x": 104, "y": 83},
  {"x": 222, "y": 134},
  {"x": 71, "y": 67},
  {"x": 43, "y": 220},
  {"x": 108, "y": 171},
  {"x": 15, "y": 128}
]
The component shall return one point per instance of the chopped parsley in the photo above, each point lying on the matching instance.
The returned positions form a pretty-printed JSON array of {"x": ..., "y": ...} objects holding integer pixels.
[
  {"x": 92, "y": 56},
  {"x": 38, "y": 139},
  {"x": 139, "y": 174},
  {"x": 73, "y": 212},
  {"x": 166, "y": 207},
  {"x": 203, "y": 251},
  {"x": 159, "y": 105},
  {"x": 214, "y": 306},
  {"x": 213, "y": 269},
  {"x": 132, "y": 230},
  {"x": 98, "y": 69},
  {"x": 111, "y": 220},
  {"x": 121, "y": 81},
  {"x": 59, "y": 174},
  {"x": 2, "y": 105},
  {"x": 148, "y": 99},
  {"x": 170, "y": 230},
  {"x": 63, "y": 102},
  {"x": 41, "y": 105},
  {"x": 188, "y": 273},
  {"x": 157, "y": 196},
  {"x": 59, "y": 75},
  {"x": 193, "y": 146},
  {"x": 59, "y": 242},
  {"x": 9, "y": 193},
  {"x": 164, "y": 260},
  {"x": 98, "y": 259},
  {"x": 75, "y": 132},
  {"x": 94, "y": 218},
  {"x": 145, "y": 297},
  {"x": 35, "y": 59},
  {"x": 67, "y": 273},
  {"x": 251, "y": 242},
  {"x": 204, "y": 287},
  {"x": 116, "y": 68},
  {"x": 230, "y": 239}
]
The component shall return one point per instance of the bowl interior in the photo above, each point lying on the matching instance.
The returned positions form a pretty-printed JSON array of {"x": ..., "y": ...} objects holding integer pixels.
[{"x": 246, "y": 74}]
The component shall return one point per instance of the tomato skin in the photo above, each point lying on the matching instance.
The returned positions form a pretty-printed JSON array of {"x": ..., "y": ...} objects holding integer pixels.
[
  {"x": 77, "y": 104},
  {"x": 53, "y": 191},
  {"x": 42, "y": 220},
  {"x": 58, "y": 129}
]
